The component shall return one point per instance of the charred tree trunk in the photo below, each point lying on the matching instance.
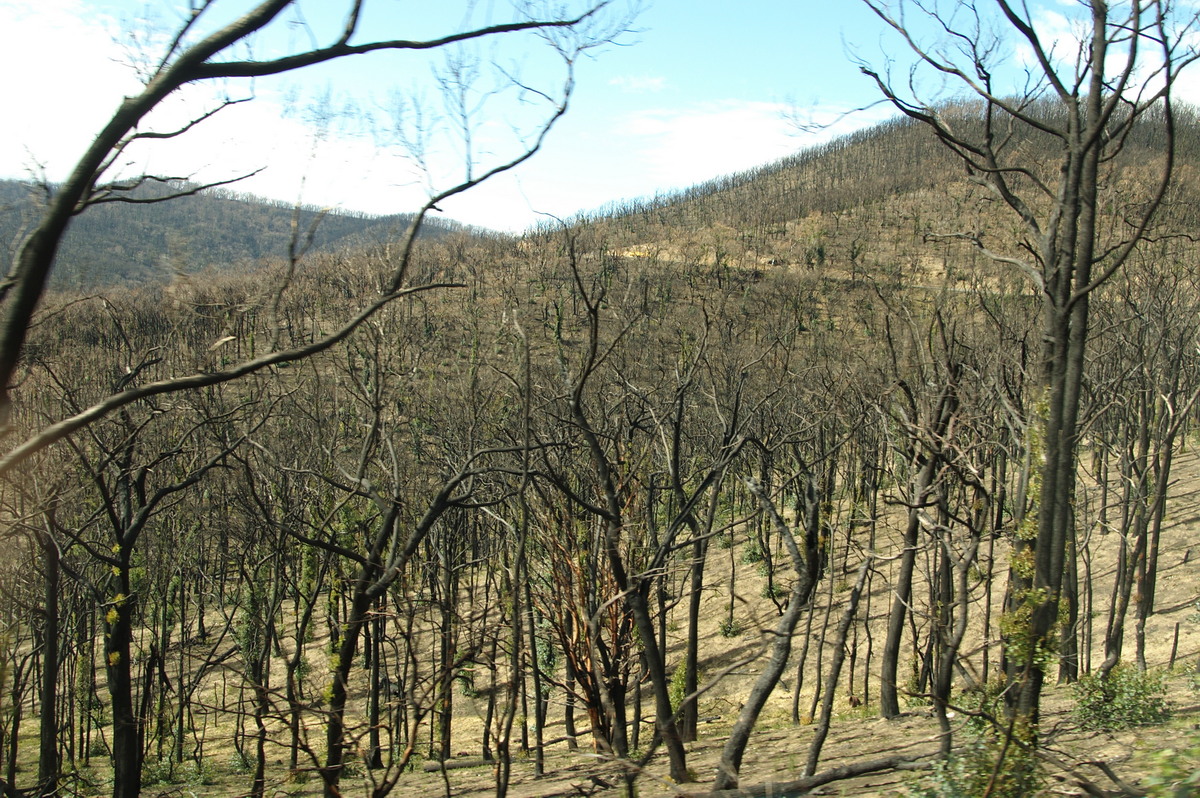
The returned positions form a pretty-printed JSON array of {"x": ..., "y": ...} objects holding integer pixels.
[{"x": 739, "y": 736}]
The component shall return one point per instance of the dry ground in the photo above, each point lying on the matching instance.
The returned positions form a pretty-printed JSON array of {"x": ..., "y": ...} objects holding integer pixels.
[{"x": 779, "y": 748}]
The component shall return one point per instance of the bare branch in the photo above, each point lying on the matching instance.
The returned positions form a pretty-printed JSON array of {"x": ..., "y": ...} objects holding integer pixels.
[
  {"x": 107, "y": 194},
  {"x": 254, "y": 69},
  {"x": 56, "y": 432}
]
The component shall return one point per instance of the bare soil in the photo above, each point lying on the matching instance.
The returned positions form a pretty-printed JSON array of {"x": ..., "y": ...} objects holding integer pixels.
[{"x": 779, "y": 748}]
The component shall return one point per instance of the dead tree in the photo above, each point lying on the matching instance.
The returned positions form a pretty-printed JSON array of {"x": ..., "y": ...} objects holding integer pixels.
[{"x": 1078, "y": 113}]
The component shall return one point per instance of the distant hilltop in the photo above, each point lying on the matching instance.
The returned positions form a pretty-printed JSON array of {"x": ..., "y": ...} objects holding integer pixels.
[{"x": 146, "y": 242}]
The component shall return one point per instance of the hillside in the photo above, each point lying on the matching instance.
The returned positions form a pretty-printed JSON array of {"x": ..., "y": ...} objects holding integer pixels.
[
  {"x": 123, "y": 243},
  {"x": 887, "y": 201},
  {"x": 492, "y": 533}
]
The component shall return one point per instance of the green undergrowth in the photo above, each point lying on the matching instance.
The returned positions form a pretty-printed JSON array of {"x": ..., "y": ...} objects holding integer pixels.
[
  {"x": 984, "y": 766},
  {"x": 1176, "y": 772},
  {"x": 1123, "y": 698}
]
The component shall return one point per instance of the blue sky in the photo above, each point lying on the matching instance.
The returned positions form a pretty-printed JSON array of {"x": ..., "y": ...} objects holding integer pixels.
[{"x": 701, "y": 88}]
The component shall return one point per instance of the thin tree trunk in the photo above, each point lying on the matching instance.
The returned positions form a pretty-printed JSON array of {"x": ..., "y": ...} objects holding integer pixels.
[
  {"x": 739, "y": 736},
  {"x": 126, "y": 748},
  {"x": 889, "y": 693},
  {"x": 48, "y": 733},
  {"x": 943, "y": 679},
  {"x": 835, "y": 668}
]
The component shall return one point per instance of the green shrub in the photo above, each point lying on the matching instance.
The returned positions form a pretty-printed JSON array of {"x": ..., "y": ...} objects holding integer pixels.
[
  {"x": 985, "y": 704},
  {"x": 166, "y": 772},
  {"x": 1193, "y": 676},
  {"x": 1125, "y": 697},
  {"x": 969, "y": 772},
  {"x": 159, "y": 771},
  {"x": 1176, "y": 773},
  {"x": 241, "y": 763},
  {"x": 202, "y": 772},
  {"x": 752, "y": 553},
  {"x": 984, "y": 765},
  {"x": 774, "y": 591},
  {"x": 730, "y": 628},
  {"x": 678, "y": 684}
]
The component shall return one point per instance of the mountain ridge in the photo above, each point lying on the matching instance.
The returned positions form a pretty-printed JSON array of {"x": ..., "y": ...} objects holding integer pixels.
[{"x": 119, "y": 243}]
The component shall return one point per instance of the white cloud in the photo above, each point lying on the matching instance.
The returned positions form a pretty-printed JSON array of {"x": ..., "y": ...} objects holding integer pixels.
[
  {"x": 681, "y": 147},
  {"x": 1065, "y": 34},
  {"x": 76, "y": 72},
  {"x": 677, "y": 147},
  {"x": 297, "y": 164},
  {"x": 1060, "y": 35},
  {"x": 649, "y": 152},
  {"x": 73, "y": 78},
  {"x": 63, "y": 78}
]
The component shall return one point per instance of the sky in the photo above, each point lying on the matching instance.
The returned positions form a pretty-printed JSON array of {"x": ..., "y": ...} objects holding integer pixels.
[{"x": 693, "y": 90}]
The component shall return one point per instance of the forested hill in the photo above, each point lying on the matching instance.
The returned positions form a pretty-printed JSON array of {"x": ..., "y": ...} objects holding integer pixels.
[
  {"x": 120, "y": 243},
  {"x": 811, "y": 208},
  {"x": 604, "y": 481},
  {"x": 862, "y": 200}
]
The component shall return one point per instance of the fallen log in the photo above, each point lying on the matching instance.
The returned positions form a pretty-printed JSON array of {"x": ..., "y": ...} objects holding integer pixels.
[
  {"x": 456, "y": 764},
  {"x": 798, "y": 787}
]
